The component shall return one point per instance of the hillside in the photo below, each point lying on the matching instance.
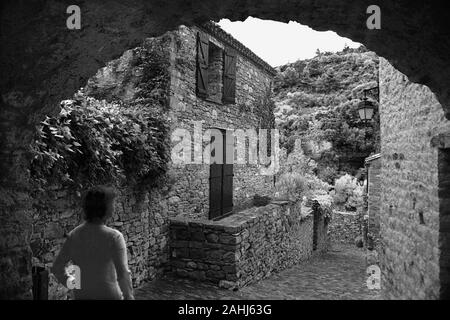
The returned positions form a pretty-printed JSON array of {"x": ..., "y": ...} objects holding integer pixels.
[{"x": 316, "y": 101}]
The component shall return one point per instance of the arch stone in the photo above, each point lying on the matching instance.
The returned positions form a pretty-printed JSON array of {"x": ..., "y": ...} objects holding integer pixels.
[{"x": 44, "y": 62}]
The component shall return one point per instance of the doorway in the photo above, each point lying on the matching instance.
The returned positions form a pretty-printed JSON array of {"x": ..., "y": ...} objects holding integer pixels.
[{"x": 221, "y": 175}]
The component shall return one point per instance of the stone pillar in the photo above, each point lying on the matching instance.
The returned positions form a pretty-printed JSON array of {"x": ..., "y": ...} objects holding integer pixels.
[
  {"x": 443, "y": 143},
  {"x": 15, "y": 209}
]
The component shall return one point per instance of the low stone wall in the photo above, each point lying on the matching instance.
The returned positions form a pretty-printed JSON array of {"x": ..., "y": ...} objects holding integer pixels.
[
  {"x": 345, "y": 227},
  {"x": 244, "y": 247}
]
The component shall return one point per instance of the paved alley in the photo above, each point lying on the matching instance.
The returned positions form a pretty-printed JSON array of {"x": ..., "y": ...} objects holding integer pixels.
[{"x": 338, "y": 274}]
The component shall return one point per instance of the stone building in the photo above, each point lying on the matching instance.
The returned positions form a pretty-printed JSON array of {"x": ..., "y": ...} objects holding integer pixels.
[{"x": 216, "y": 83}]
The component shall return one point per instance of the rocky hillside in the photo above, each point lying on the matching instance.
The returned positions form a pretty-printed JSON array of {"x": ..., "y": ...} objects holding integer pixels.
[{"x": 317, "y": 100}]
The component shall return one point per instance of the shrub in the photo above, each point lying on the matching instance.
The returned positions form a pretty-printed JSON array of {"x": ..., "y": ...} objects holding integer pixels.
[
  {"x": 291, "y": 185},
  {"x": 356, "y": 199},
  {"x": 326, "y": 205},
  {"x": 297, "y": 180},
  {"x": 348, "y": 192},
  {"x": 315, "y": 186},
  {"x": 297, "y": 161},
  {"x": 290, "y": 75},
  {"x": 343, "y": 188},
  {"x": 327, "y": 174},
  {"x": 94, "y": 142}
]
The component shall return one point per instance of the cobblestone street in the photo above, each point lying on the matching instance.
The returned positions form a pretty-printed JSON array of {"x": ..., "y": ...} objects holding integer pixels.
[{"x": 337, "y": 274}]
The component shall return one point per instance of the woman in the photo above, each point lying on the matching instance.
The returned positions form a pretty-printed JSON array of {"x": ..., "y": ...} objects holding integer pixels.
[{"x": 98, "y": 251}]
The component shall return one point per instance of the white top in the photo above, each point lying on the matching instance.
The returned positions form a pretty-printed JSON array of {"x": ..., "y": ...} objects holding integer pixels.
[{"x": 101, "y": 255}]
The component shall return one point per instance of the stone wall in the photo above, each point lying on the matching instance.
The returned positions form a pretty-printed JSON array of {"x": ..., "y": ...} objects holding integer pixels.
[
  {"x": 345, "y": 227},
  {"x": 244, "y": 247},
  {"x": 410, "y": 117},
  {"x": 374, "y": 197}
]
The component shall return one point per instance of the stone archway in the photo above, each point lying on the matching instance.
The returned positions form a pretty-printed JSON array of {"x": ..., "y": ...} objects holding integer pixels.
[{"x": 44, "y": 62}]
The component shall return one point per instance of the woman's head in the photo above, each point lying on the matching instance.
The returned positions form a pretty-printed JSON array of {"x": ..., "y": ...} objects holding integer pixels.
[{"x": 98, "y": 204}]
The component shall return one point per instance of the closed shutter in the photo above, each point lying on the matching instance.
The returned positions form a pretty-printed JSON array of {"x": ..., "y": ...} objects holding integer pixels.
[
  {"x": 202, "y": 64},
  {"x": 229, "y": 76}
]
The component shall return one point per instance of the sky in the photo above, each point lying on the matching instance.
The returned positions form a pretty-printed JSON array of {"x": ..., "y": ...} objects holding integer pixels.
[{"x": 279, "y": 43}]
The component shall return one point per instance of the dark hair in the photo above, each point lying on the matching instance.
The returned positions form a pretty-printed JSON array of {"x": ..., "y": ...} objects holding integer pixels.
[{"x": 98, "y": 202}]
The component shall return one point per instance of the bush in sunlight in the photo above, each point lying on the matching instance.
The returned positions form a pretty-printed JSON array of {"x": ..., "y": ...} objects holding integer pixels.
[{"x": 349, "y": 194}]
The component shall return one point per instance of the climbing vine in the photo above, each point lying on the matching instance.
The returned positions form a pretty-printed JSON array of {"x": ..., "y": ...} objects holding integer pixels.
[
  {"x": 93, "y": 142},
  {"x": 96, "y": 142},
  {"x": 264, "y": 110}
]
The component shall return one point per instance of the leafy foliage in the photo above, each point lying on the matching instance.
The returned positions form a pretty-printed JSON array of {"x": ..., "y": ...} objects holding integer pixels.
[
  {"x": 317, "y": 101},
  {"x": 95, "y": 142},
  {"x": 297, "y": 180},
  {"x": 349, "y": 193},
  {"x": 264, "y": 109}
]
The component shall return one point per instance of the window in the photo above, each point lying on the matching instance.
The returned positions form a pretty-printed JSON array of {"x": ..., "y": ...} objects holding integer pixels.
[{"x": 216, "y": 71}]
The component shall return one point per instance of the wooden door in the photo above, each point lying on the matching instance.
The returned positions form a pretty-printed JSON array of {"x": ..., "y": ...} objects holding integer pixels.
[{"x": 221, "y": 180}]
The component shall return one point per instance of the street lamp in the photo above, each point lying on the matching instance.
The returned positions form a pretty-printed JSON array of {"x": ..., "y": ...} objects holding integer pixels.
[{"x": 366, "y": 107}]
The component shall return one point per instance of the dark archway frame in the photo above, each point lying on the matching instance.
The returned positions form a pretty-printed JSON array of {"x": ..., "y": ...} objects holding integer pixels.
[{"x": 43, "y": 62}]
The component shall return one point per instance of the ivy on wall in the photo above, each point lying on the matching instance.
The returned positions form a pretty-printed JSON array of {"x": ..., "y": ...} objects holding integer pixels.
[
  {"x": 264, "y": 110},
  {"x": 265, "y": 114},
  {"x": 97, "y": 142}
]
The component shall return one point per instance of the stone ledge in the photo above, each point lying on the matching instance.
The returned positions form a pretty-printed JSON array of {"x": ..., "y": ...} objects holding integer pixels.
[{"x": 235, "y": 222}]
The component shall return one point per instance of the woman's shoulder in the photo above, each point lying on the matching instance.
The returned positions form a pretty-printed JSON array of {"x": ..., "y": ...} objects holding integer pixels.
[
  {"x": 117, "y": 237},
  {"x": 113, "y": 232},
  {"x": 75, "y": 230}
]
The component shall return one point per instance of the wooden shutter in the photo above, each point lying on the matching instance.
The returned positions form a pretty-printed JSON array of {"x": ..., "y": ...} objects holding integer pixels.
[
  {"x": 229, "y": 76},
  {"x": 202, "y": 64}
]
